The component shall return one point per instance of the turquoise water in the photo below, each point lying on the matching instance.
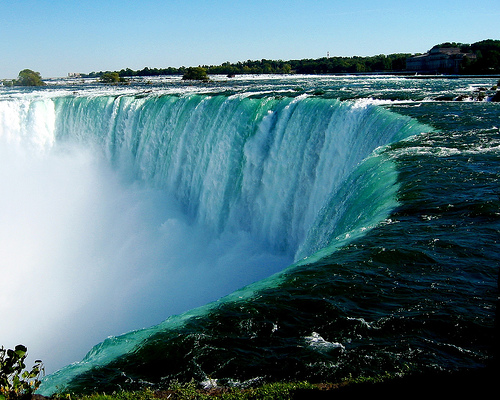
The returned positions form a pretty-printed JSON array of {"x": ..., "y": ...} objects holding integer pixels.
[{"x": 350, "y": 222}]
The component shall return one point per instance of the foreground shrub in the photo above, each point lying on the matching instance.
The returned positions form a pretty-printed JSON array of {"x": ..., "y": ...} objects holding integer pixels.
[{"x": 15, "y": 382}]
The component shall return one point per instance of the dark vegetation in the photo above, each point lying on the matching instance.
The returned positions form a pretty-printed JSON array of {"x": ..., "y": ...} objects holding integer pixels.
[{"x": 487, "y": 61}]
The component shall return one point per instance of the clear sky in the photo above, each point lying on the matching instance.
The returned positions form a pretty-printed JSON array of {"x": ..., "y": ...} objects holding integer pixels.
[{"x": 55, "y": 37}]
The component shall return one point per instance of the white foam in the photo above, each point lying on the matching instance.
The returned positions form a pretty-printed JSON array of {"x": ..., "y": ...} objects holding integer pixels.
[{"x": 317, "y": 342}]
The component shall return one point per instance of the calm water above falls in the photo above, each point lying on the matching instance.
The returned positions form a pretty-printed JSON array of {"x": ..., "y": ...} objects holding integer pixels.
[{"x": 363, "y": 214}]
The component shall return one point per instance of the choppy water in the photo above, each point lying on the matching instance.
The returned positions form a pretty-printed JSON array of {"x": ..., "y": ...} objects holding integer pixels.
[{"x": 362, "y": 213}]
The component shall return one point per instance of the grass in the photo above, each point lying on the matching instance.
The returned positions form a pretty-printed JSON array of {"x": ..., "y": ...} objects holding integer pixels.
[
  {"x": 191, "y": 391},
  {"x": 466, "y": 383}
]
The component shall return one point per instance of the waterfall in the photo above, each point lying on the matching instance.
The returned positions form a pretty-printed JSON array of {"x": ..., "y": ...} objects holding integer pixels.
[{"x": 121, "y": 210}]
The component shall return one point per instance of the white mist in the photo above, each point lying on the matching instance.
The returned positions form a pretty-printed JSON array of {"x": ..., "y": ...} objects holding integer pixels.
[{"x": 86, "y": 252}]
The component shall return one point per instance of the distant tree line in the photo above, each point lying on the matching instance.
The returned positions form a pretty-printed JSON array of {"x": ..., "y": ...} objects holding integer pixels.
[
  {"x": 325, "y": 65},
  {"x": 486, "y": 61}
]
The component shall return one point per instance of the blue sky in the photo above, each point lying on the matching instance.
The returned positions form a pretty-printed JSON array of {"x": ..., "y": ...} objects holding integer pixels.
[{"x": 55, "y": 37}]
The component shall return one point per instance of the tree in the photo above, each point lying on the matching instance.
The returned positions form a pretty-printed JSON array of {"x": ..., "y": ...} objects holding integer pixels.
[
  {"x": 487, "y": 58},
  {"x": 111, "y": 77},
  {"x": 196, "y": 73},
  {"x": 27, "y": 77},
  {"x": 286, "y": 69}
]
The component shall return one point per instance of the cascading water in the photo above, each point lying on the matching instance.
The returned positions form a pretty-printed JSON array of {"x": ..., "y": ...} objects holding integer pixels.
[
  {"x": 266, "y": 166},
  {"x": 148, "y": 206}
]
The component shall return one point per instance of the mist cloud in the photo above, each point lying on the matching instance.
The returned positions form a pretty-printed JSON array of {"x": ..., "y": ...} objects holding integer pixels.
[{"x": 86, "y": 253}]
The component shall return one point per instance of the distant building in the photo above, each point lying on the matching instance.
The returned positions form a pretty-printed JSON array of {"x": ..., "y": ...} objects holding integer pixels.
[
  {"x": 439, "y": 60},
  {"x": 74, "y": 75}
]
